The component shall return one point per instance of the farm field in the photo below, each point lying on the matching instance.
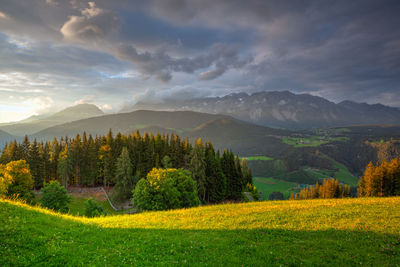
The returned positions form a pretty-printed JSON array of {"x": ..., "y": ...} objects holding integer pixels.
[
  {"x": 258, "y": 158},
  {"x": 311, "y": 141},
  {"x": 269, "y": 185},
  {"x": 337, "y": 232},
  {"x": 341, "y": 173}
]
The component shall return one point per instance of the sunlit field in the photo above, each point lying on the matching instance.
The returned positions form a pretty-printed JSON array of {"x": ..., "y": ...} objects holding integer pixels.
[{"x": 343, "y": 232}]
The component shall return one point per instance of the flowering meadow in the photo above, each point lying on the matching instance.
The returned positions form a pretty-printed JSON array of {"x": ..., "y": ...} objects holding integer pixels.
[{"x": 323, "y": 232}]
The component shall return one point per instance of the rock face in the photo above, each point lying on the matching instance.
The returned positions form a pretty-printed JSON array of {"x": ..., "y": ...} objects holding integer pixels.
[{"x": 283, "y": 109}]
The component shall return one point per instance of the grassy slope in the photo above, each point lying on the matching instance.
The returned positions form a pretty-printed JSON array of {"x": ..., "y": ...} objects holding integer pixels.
[
  {"x": 258, "y": 158},
  {"x": 312, "y": 141},
  {"x": 77, "y": 206},
  {"x": 345, "y": 232},
  {"x": 269, "y": 185}
]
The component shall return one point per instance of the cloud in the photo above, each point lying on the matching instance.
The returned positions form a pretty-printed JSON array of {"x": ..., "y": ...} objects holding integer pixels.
[
  {"x": 67, "y": 49},
  {"x": 87, "y": 99},
  {"x": 162, "y": 65},
  {"x": 3, "y": 16},
  {"x": 106, "y": 107},
  {"x": 93, "y": 25},
  {"x": 41, "y": 104}
]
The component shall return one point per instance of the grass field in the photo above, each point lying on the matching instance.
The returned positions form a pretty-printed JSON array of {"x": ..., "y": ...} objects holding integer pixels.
[
  {"x": 344, "y": 232},
  {"x": 311, "y": 141},
  {"x": 341, "y": 173},
  {"x": 77, "y": 206},
  {"x": 269, "y": 185},
  {"x": 258, "y": 158}
]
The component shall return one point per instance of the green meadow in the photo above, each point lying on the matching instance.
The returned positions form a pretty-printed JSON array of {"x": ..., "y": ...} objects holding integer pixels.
[
  {"x": 336, "y": 232},
  {"x": 269, "y": 185}
]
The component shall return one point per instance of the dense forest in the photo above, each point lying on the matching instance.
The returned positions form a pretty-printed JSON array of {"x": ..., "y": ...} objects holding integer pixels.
[{"x": 92, "y": 161}]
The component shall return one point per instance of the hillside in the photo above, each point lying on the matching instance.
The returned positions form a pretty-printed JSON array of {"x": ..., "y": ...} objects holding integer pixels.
[
  {"x": 345, "y": 232},
  {"x": 283, "y": 109},
  {"x": 223, "y": 131},
  {"x": 38, "y": 123},
  {"x": 5, "y": 137},
  {"x": 242, "y": 137}
]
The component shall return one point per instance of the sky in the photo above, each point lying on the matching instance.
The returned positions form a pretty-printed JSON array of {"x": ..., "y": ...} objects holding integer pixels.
[{"x": 57, "y": 53}]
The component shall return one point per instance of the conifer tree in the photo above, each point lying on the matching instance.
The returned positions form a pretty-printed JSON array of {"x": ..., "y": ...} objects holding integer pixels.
[
  {"x": 198, "y": 167},
  {"x": 64, "y": 167},
  {"x": 215, "y": 178},
  {"x": 34, "y": 161},
  {"x": 124, "y": 176}
]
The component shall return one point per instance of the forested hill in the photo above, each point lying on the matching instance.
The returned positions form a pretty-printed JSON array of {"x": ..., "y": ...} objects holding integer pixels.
[
  {"x": 130, "y": 122},
  {"x": 89, "y": 161},
  {"x": 223, "y": 131}
]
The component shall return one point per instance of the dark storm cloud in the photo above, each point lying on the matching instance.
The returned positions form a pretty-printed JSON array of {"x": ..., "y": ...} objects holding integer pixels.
[
  {"x": 162, "y": 65},
  {"x": 336, "y": 49}
]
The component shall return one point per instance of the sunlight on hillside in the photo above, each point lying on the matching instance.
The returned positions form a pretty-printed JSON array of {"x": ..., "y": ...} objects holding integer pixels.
[{"x": 380, "y": 215}]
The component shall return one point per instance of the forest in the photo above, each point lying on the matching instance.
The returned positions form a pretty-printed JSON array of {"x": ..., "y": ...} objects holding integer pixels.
[{"x": 101, "y": 161}]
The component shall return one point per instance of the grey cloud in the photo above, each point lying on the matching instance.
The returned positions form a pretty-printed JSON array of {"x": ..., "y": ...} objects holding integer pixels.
[
  {"x": 340, "y": 49},
  {"x": 93, "y": 25},
  {"x": 211, "y": 74},
  {"x": 162, "y": 65}
]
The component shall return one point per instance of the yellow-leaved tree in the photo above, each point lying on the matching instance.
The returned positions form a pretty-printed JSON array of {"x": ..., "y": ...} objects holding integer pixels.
[
  {"x": 21, "y": 181},
  {"x": 5, "y": 181}
]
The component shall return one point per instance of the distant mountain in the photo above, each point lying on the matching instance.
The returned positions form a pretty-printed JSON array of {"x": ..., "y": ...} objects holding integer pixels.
[
  {"x": 223, "y": 131},
  {"x": 4, "y": 138},
  {"x": 283, "y": 109},
  {"x": 242, "y": 137},
  {"x": 78, "y": 112},
  {"x": 130, "y": 122},
  {"x": 37, "y": 123}
]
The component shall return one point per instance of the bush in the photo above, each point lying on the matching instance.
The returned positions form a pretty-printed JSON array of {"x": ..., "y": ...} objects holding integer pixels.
[
  {"x": 165, "y": 189},
  {"x": 253, "y": 191},
  {"x": 54, "y": 196},
  {"x": 93, "y": 209}
]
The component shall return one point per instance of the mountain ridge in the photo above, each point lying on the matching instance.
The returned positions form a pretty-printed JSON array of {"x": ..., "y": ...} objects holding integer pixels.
[
  {"x": 37, "y": 123},
  {"x": 282, "y": 109}
]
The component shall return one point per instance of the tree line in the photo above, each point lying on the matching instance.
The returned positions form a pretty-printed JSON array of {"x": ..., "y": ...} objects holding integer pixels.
[
  {"x": 330, "y": 188},
  {"x": 108, "y": 161},
  {"x": 381, "y": 180}
]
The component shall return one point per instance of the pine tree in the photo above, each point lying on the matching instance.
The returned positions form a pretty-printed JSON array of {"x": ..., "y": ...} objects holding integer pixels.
[
  {"x": 197, "y": 167},
  {"x": 35, "y": 164},
  {"x": 124, "y": 176},
  {"x": 215, "y": 178},
  {"x": 64, "y": 167}
]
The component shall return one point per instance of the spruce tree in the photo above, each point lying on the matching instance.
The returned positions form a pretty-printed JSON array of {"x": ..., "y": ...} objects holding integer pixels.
[
  {"x": 64, "y": 167},
  {"x": 198, "y": 167},
  {"x": 124, "y": 177},
  {"x": 215, "y": 178}
]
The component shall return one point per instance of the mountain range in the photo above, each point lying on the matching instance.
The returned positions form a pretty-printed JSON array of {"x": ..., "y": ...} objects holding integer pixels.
[
  {"x": 282, "y": 109},
  {"x": 35, "y": 124}
]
